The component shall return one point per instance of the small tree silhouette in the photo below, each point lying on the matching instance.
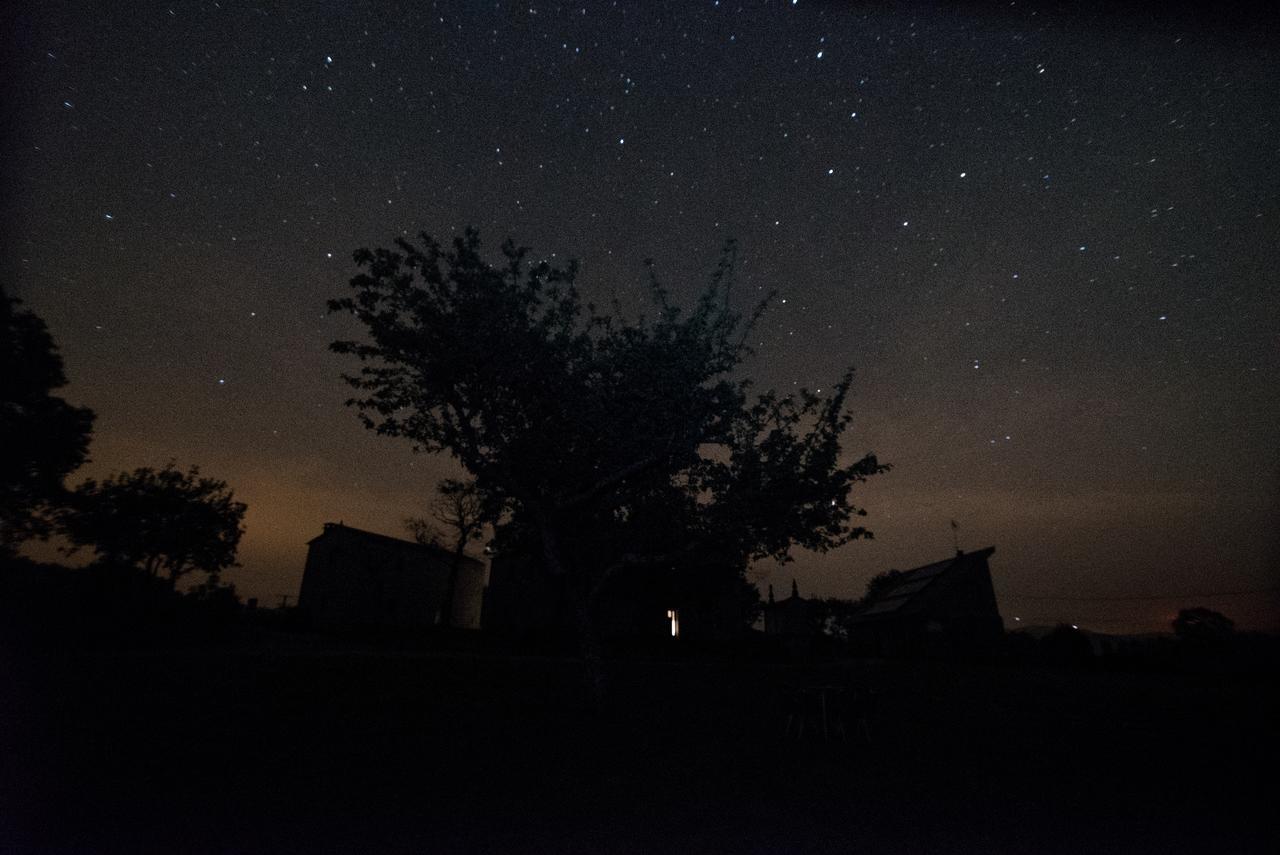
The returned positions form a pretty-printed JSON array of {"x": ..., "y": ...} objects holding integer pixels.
[
  {"x": 881, "y": 584},
  {"x": 164, "y": 522},
  {"x": 1066, "y": 646},
  {"x": 1201, "y": 625},
  {"x": 458, "y": 516}
]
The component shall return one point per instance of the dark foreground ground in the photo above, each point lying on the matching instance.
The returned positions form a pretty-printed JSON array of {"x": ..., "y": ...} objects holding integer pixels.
[{"x": 293, "y": 744}]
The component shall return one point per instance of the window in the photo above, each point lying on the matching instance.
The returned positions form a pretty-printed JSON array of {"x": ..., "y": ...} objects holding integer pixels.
[{"x": 674, "y": 616}]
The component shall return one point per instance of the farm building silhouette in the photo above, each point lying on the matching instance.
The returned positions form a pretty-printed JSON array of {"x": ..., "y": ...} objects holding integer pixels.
[
  {"x": 949, "y": 605},
  {"x": 356, "y": 579}
]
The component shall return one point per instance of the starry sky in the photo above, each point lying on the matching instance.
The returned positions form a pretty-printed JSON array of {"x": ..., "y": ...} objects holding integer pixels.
[{"x": 1048, "y": 241}]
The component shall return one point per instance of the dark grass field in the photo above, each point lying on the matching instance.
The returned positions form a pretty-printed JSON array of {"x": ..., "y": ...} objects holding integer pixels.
[{"x": 289, "y": 743}]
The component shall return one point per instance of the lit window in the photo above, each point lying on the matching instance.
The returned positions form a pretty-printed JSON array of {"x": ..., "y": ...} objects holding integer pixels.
[{"x": 674, "y": 616}]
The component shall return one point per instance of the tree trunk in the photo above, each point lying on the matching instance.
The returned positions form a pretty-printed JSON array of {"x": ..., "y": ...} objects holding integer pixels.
[
  {"x": 593, "y": 647},
  {"x": 583, "y": 600},
  {"x": 451, "y": 586}
]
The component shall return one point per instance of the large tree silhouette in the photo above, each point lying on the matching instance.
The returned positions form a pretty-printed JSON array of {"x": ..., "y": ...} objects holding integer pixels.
[
  {"x": 45, "y": 438},
  {"x": 165, "y": 522},
  {"x": 612, "y": 443}
]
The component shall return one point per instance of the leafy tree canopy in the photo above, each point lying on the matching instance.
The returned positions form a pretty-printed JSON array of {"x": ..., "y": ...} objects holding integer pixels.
[
  {"x": 44, "y": 437},
  {"x": 610, "y": 442},
  {"x": 881, "y": 584},
  {"x": 1202, "y": 625},
  {"x": 164, "y": 521}
]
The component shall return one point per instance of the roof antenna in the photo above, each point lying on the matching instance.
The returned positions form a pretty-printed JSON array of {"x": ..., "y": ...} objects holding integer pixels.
[{"x": 955, "y": 535}]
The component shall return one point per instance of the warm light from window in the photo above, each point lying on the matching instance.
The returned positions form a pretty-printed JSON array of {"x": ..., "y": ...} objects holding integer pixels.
[{"x": 674, "y": 616}]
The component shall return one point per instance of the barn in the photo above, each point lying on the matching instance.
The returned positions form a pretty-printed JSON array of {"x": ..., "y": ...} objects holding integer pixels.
[
  {"x": 947, "y": 606},
  {"x": 360, "y": 580}
]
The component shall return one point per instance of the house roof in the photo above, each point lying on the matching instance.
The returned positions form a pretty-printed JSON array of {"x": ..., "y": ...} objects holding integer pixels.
[
  {"x": 913, "y": 582},
  {"x": 388, "y": 540}
]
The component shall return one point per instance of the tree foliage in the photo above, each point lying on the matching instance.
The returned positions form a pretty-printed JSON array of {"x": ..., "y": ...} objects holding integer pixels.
[
  {"x": 880, "y": 584},
  {"x": 611, "y": 442},
  {"x": 1202, "y": 625},
  {"x": 44, "y": 437},
  {"x": 165, "y": 522}
]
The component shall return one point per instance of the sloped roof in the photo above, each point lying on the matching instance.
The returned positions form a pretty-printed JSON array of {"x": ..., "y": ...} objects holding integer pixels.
[
  {"x": 388, "y": 540},
  {"x": 913, "y": 582}
]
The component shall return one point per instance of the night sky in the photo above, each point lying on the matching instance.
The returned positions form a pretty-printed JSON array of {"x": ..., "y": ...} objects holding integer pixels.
[{"x": 1048, "y": 242}]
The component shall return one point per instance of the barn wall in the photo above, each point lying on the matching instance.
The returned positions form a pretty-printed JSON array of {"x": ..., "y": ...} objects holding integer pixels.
[{"x": 357, "y": 580}]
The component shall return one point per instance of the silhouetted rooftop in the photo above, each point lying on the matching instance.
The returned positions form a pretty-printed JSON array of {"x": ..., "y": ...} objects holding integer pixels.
[
  {"x": 913, "y": 582},
  {"x": 401, "y": 543}
]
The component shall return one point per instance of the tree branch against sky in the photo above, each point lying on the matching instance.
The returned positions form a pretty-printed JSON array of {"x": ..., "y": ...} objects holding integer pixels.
[{"x": 457, "y": 516}]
